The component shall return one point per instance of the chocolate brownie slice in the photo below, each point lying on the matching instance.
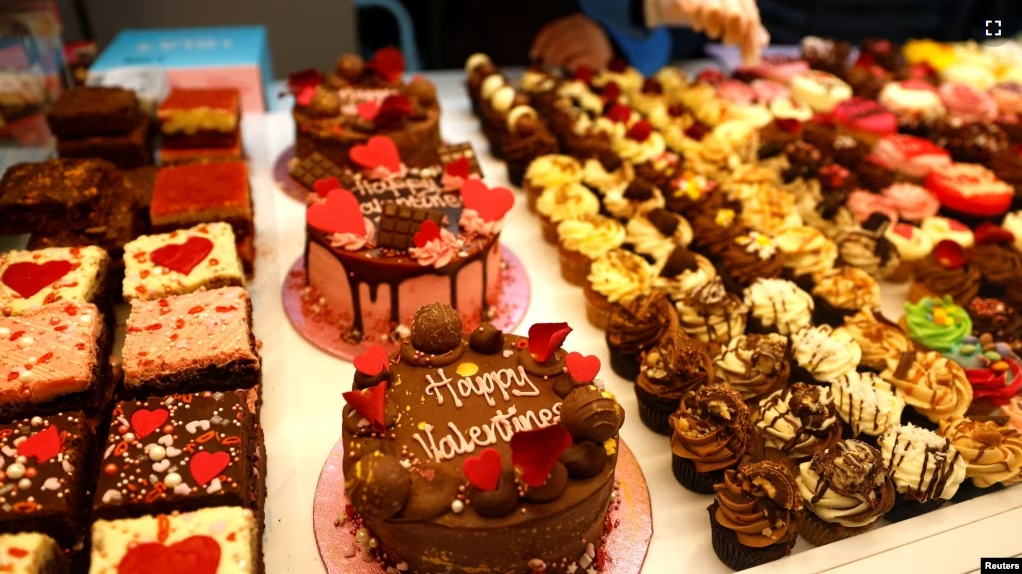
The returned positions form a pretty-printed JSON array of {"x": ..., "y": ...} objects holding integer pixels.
[
  {"x": 126, "y": 151},
  {"x": 93, "y": 111},
  {"x": 55, "y": 195}
]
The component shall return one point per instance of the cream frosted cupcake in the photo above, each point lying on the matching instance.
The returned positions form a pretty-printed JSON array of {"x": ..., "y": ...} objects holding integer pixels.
[
  {"x": 607, "y": 172},
  {"x": 795, "y": 423},
  {"x": 823, "y": 354},
  {"x": 640, "y": 145},
  {"x": 992, "y": 452},
  {"x": 712, "y": 314},
  {"x": 580, "y": 241},
  {"x": 615, "y": 277},
  {"x": 637, "y": 198},
  {"x": 913, "y": 245},
  {"x": 820, "y": 91},
  {"x": 619, "y": 72},
  {"x": 550, "y": 171},
  {"x": 842, "y": 292},
  {"x": 1013, "y": 224},
  {"x": 777, "y": 305},
  {"x": 682, "y": 272},
  {"x": 754, "y": 365},
  {"x": 558, "y": 204},
  {"x": 771, "y": 212},
  {"x": 935, "y": 386},
  {"x": 926, "y": 468},
  {"x": 657, "y": 232},
  {"x": 941, "y": 228},
  {"x": 807, "y": 252},
  {"x": 881, "y": 340},
  {"x": 867, "y": 404}
]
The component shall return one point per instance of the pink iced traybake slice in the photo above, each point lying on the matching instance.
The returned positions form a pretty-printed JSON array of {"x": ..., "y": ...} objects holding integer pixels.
[
  {"x": 195, "y": 342},
  {"x": 52, "y": 356}
]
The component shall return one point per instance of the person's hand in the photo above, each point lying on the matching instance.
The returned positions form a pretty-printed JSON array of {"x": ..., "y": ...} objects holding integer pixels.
[
  {"x": 734, "y": 22},
  {"x": 572, "y": 42}
]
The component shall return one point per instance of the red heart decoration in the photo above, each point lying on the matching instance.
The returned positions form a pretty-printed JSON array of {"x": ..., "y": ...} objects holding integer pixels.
[
  {"x": 490, "y": 204},
  {"x": 388, "y": 63},
  {"x": 182, "y": 257},
  {"x": 370, "y": 403},
  {"x": 379, "y": 151},
  {"x": 193, "y": 555},
  {"x": 27, "y": 278},
  {"x": 545, "y": 338},
  {"x": 372, "y": 361},
  {"x": 205, "y": 466},
  {"x": 393, "y": 110},
  {"x": 368, "y": 110},
  {"x": 427, "y": 232},
  {"x": 145, "y": 421},
  {"x": 535, "y": 452},
  {"x": 324, "y": 186},
  {"x": 483, "y": 471},
  {"x": 584, "y": 74},
  {"x": 582, "y": 368},
  {"x": 43, "y": 445},
  {"x": 305, "y": 96},
  {"x": 340, "y": 213},
  {"x": 460, "y": 167}
]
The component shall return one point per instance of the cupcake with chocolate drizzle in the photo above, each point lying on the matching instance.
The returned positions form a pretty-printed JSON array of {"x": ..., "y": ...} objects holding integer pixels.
[
  {"x": 926, "y": 469},
  {"x": 880, "y": 339},
  {"x": 846, "y": 490},
  {"x": 842, "y": 292},
  {"x": 712, "y": 314},
  {"x": 673, "y": 367},
  {"x": 635, "y": 328},
  {"x": 992, "y": 452},
  {"x": 932, "y": 384},
  {"x": 794, "y": 423},
  {"x": 754, "y": 365},
  {"x": 866, "y": 404},
  {"x": 807, "y": 252},
  {"x": 682, "y": 272},
  {"x": 711, "y": 433},
  {"x": 822, "y": 354},
  {"x": 750, "y": 257},
  {"x": 868, "y": 249}
]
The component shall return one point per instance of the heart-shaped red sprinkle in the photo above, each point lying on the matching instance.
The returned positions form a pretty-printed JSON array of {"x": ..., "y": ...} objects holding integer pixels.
[
  {"x": 193, "y": 555},
  {"x": 205, "y": 465},
  {"x": 490, "y": 203},
  {"x": 379, "y": 151},
  {"x": 340, "y": 213},
  {"x": 372, "y": 361},
  {"x": 460, "y": 167},
  {"x": 427, "y": 232},
  {"x": 367, "y": 110},
  {"x": 371, "y": 404},
  {"x": 324, "y": 186},
  {"x": 582, "y": 368},
  {"x": 26, "y": 278},
  {"x": 182, "y": 257},
  {"x": 545, "y": 338},
  {"x": 483, "y": 471},
  {"x": 145, "y": 421},
  {"x": 389, "y": 63},
  {"x": 43, "y": 445},
  {"x": 535, "y": 452}
]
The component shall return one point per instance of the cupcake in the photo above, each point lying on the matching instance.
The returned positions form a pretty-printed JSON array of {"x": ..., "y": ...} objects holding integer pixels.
[
  {"x": 682, "y": 272},
  {"x": 819, "y": 90},
  {"x": 925, "y": 467},
  {"x": 828, "y": 214},
  {"x": 937, "y": 324},
  {"x": 550, "y": 171},
  {"x": 637, "y": 198},
  {"x": 580, "y": 241},
  {"x": 795, "y": 423},
  {"x": 935, "y": 386},
  {"x": 866, "y": 404},
  {"x": 656, "y": 233},
  {"x": 846, "y": 490},
  {"x": 689, "y": 194},
  {"x": 711, "y": 433},
  {"x": 822, "y": 354},
  {"x": 992, "y": 452},
  {"x": 771, "y": 211},
  {"x": 868, "y": 249},
  {"x": 915, "y": 102},
  {"x": 713, "y": 231},
  {"x": 712, "y": 314},
  {"x": 912, "y": 244},
  {"x": 948, "y": 271},
  {"x": 993, "y": 370},
  {"x": 619, "y": 72},
  {"x": 635, "y": 328},
  {"x": 914, "y": 203},
  {"x": 616, "y": 277},
  {"x": 993, "y": 317},
  {"x": 756, "y": 515},
  {"x": 750, "y": 257},
  {"x": 865, "y": 203},
  {"x": 754, "y": 365},
  {"x": 881, "y": 340},
  {"x": 842, "y": 292},
  {"x": 999, "y": 263},
  {"x": 941, "y": 228},
  {"x": 558, "y": 204},
  {"x": 807, "y": 252},
  {"x": 673, "y": 367},
  {"x": 970, "y": 142},
  {"x": 607, "y": 172},
  {"x": 527, "y": 138},
  {"x": 777, "y": 305}
]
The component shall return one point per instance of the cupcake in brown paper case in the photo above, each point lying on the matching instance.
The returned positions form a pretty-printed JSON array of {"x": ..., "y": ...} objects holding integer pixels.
[
  {"x": 607, "y": 172},
  {"x": 550, "y": 171},
  {"x": 711, "y": 433},
  {"x": 580, "y": 241},
  {"x": 842, "y": 292},
  {"x": 557, "y": 204},
  {"x": 615, "y": 278},
  {"x": 635, "y": 328},
  {"x": 777, "y": 306},
  {"x": 712, "y": 314},
  {"x": 673, "y": 367},
  {"x": 926, "y": 468}
]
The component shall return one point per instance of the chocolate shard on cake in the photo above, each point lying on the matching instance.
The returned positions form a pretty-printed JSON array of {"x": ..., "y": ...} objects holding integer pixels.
[
  {"x": 307, "y": 171},
  {"x": 453, "y": 152},
  {"x": 400, "y": 223}
]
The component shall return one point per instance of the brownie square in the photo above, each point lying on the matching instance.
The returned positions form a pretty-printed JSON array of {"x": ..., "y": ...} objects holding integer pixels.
[
  {"x": 55, "y": 195},
  {"x": 133, "y": 544},
  {"x": 181, "y": 261},
  {"x": 192, "y": 118},
  {"x": 141, "y": 182},
  {"x": 46, "y": 492},
  {"x": 31, "y": 279},
  {"x": 187, "y": 195},
  {"x": 31, "y": 553},
  {"x": 182, "y": 452},
  {"x": 201, "y": 341},
  {"x": 93, "y": 111},
  {"x": 247, "y": 254},
  {"x": 55, "y": 359},
  {"x": 230, "y": 152},
  {"x": 126, "y": 151}
]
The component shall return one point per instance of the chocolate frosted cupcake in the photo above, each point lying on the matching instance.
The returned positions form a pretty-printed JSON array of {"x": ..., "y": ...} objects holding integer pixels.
[
  {"x": 999, "y": 263},
  {"x": 756, "y": 516},
  {"x": 635, "y": 328},
  {"x": 794, "y": 423},
  {"x": 656, "y": 233},
  {"x": 822, "y": 354},
  {"x": 807, "y": 252},
  {"x": 777, "y": 306},
  {"x": 934, "y": 385},
  {"x": 868, "y": 249},
  {"x": 992, "y": 453},
  {"x": 673, "y": 367},
  {"x": 711, "y": 433},
  {"x": 713, "y": 231},
  {"x": 615, "y": 278},
  {"x": 866, "y": 404},
  {"x": 842, "y": 292},
  {"x": 846, "y": 490},
  {"x": 580, "y": 241},
  {"x": 526, "y": 139},
  {"x": 881, "y": 340},
  {"x": 754, "y": 365},
  {"x": 926, "y": 469},
  {"x": 748, "y": 258},
  {"x": 689, "y": 194},
  {"x": 993, "y": 317},
  {"x": 607, "y": 172},
  {"x": 682, "y": 272},
  {"x": 946, "y": 272},
  {"x": 712, "y": 314}
]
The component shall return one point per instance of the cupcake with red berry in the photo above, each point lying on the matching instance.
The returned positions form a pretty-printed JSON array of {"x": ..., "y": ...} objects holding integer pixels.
[
  {"x": 864, "y": 120},
  {"x": 948, "y": 271}
]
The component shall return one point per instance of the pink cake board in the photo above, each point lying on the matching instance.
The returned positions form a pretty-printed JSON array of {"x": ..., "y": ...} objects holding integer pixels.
[
  {"x": 326, "y": 335},
  {"x": 283, "y": 179},
  {"x": 626, "y": 544}
]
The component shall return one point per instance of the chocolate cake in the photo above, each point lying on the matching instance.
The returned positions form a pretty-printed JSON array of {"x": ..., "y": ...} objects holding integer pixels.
[{"x": 482, "y": 453}]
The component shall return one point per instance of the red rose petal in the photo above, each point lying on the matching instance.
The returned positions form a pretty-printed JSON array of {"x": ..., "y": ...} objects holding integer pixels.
[
  {"x": 988, "y": 233},
  {"x": 370, "y": 403},
  {"x": 950, "y": 254},
  {"x": 545, "y": 338},
  {"x": 389, "y": 63},
  {"x": 535, "y": 452}
]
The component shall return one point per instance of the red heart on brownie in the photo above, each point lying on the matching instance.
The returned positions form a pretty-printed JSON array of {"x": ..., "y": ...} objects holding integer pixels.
[
  {"x": 340, "y": 213},
  {"x": 379, "y": 151},
  {"x": 182, "y": 257},
  {"x": 483, "y": 471},
  {"x": 490, "y": 203},
  {"x": 205, "y": 466},
  {"x": 372, "y": 361},
  {"x": 43, "y": 445},
  {"x": 535, "y": 452},
  {"x": 145, "y": 421},
  {"x": 26, "y": 278},
  {"x": 581, "y": 367},
  {"x": 194, "y": 555}
]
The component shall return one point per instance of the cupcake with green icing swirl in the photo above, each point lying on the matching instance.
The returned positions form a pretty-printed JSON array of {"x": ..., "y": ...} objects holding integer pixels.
[{"x": 937, "y": 324}]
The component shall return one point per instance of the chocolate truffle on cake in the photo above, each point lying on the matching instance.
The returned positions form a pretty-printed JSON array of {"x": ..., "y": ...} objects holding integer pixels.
[{"x": 436, "y": 329}]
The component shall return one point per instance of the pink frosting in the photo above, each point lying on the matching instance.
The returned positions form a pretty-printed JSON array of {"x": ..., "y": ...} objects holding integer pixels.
[
  {"x": 967, "y": 103},
  {"x": 863, "y": 204},
  {"x": 910, "y": 155},
  {"x": 352, "y": 241},
  {"x": 474, "y": 224},
  {"x": 782, "y": 72},
  {"x": 768, "y": 90},
  {"x": 913, "y": 202},
  {"x": 1008, "y": 96},
  {"x": 437, "y": 252},
  {"x": 735, "y": 92},
  {"x": 380, "y": 172}
]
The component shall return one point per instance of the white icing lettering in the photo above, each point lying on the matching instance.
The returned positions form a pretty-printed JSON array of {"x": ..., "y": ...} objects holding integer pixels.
[{"x": 502, "y": 426}]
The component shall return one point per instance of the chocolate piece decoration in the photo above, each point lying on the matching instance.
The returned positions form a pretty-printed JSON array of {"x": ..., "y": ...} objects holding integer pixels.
[
  {"x": 771, "y": 480},
  {"x": 584, "y": 460},
  {"x": 453, "y": 152},
  {"x": 679, "y": 261},
  {"x": 313, "y": 168},
  {"x": 877, "y": 222},
  {"x": 852, "y": 468},
  {"x": 487, "y": 339},
  {"x": 400, "y": 223},
  {"x": 496, "y": 503},
  {"x": 904, "y": 365},
  {"x": 553, "y": 367},
  {"x": 436, "y": 329},
  {"x": 665, "y": 221},
  {"x": 589, "y": 414},
  {"x": 378, "y": 486},
  {"x": 610, "y": 160},
  {"x": 423, "y": 90},
  {"x": 325, "y": 103},
  {"x": 350, "y": 67},
  {"x": 351, "y": 419},
  {"x": 432, "y": 490},
  {"x": 554, "y": 486},
  {"x": 363, "y": 381},
  {"x": 563, "y": 387},
  {"x": 639, "y": 190}
]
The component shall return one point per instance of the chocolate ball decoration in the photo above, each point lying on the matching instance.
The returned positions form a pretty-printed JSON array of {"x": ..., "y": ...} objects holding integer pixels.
[
  {"x": 589, "y": 414},
  {"x": 436, "y": 329},
  {"x": 584, "y": 460},
  {"x": 378, "y": 486},
  {"x": 553, "y": 488},
  {"x": 496, "y": 503},
  {"x": 423, "y": 90},
  {"x": 363, "y": 381},
  {"x": 433, "y": 489},
  {"x": 487, "y": 339},
  {"x": 350, "y": 67},
  {"x": 526, "y": 125},
  {"x": 324, "y": 103}
]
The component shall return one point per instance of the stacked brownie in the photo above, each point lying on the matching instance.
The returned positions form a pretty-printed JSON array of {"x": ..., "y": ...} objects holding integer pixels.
[
  {"x": 200, "y": 126},
  {"x": 105, "y": 123}
]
